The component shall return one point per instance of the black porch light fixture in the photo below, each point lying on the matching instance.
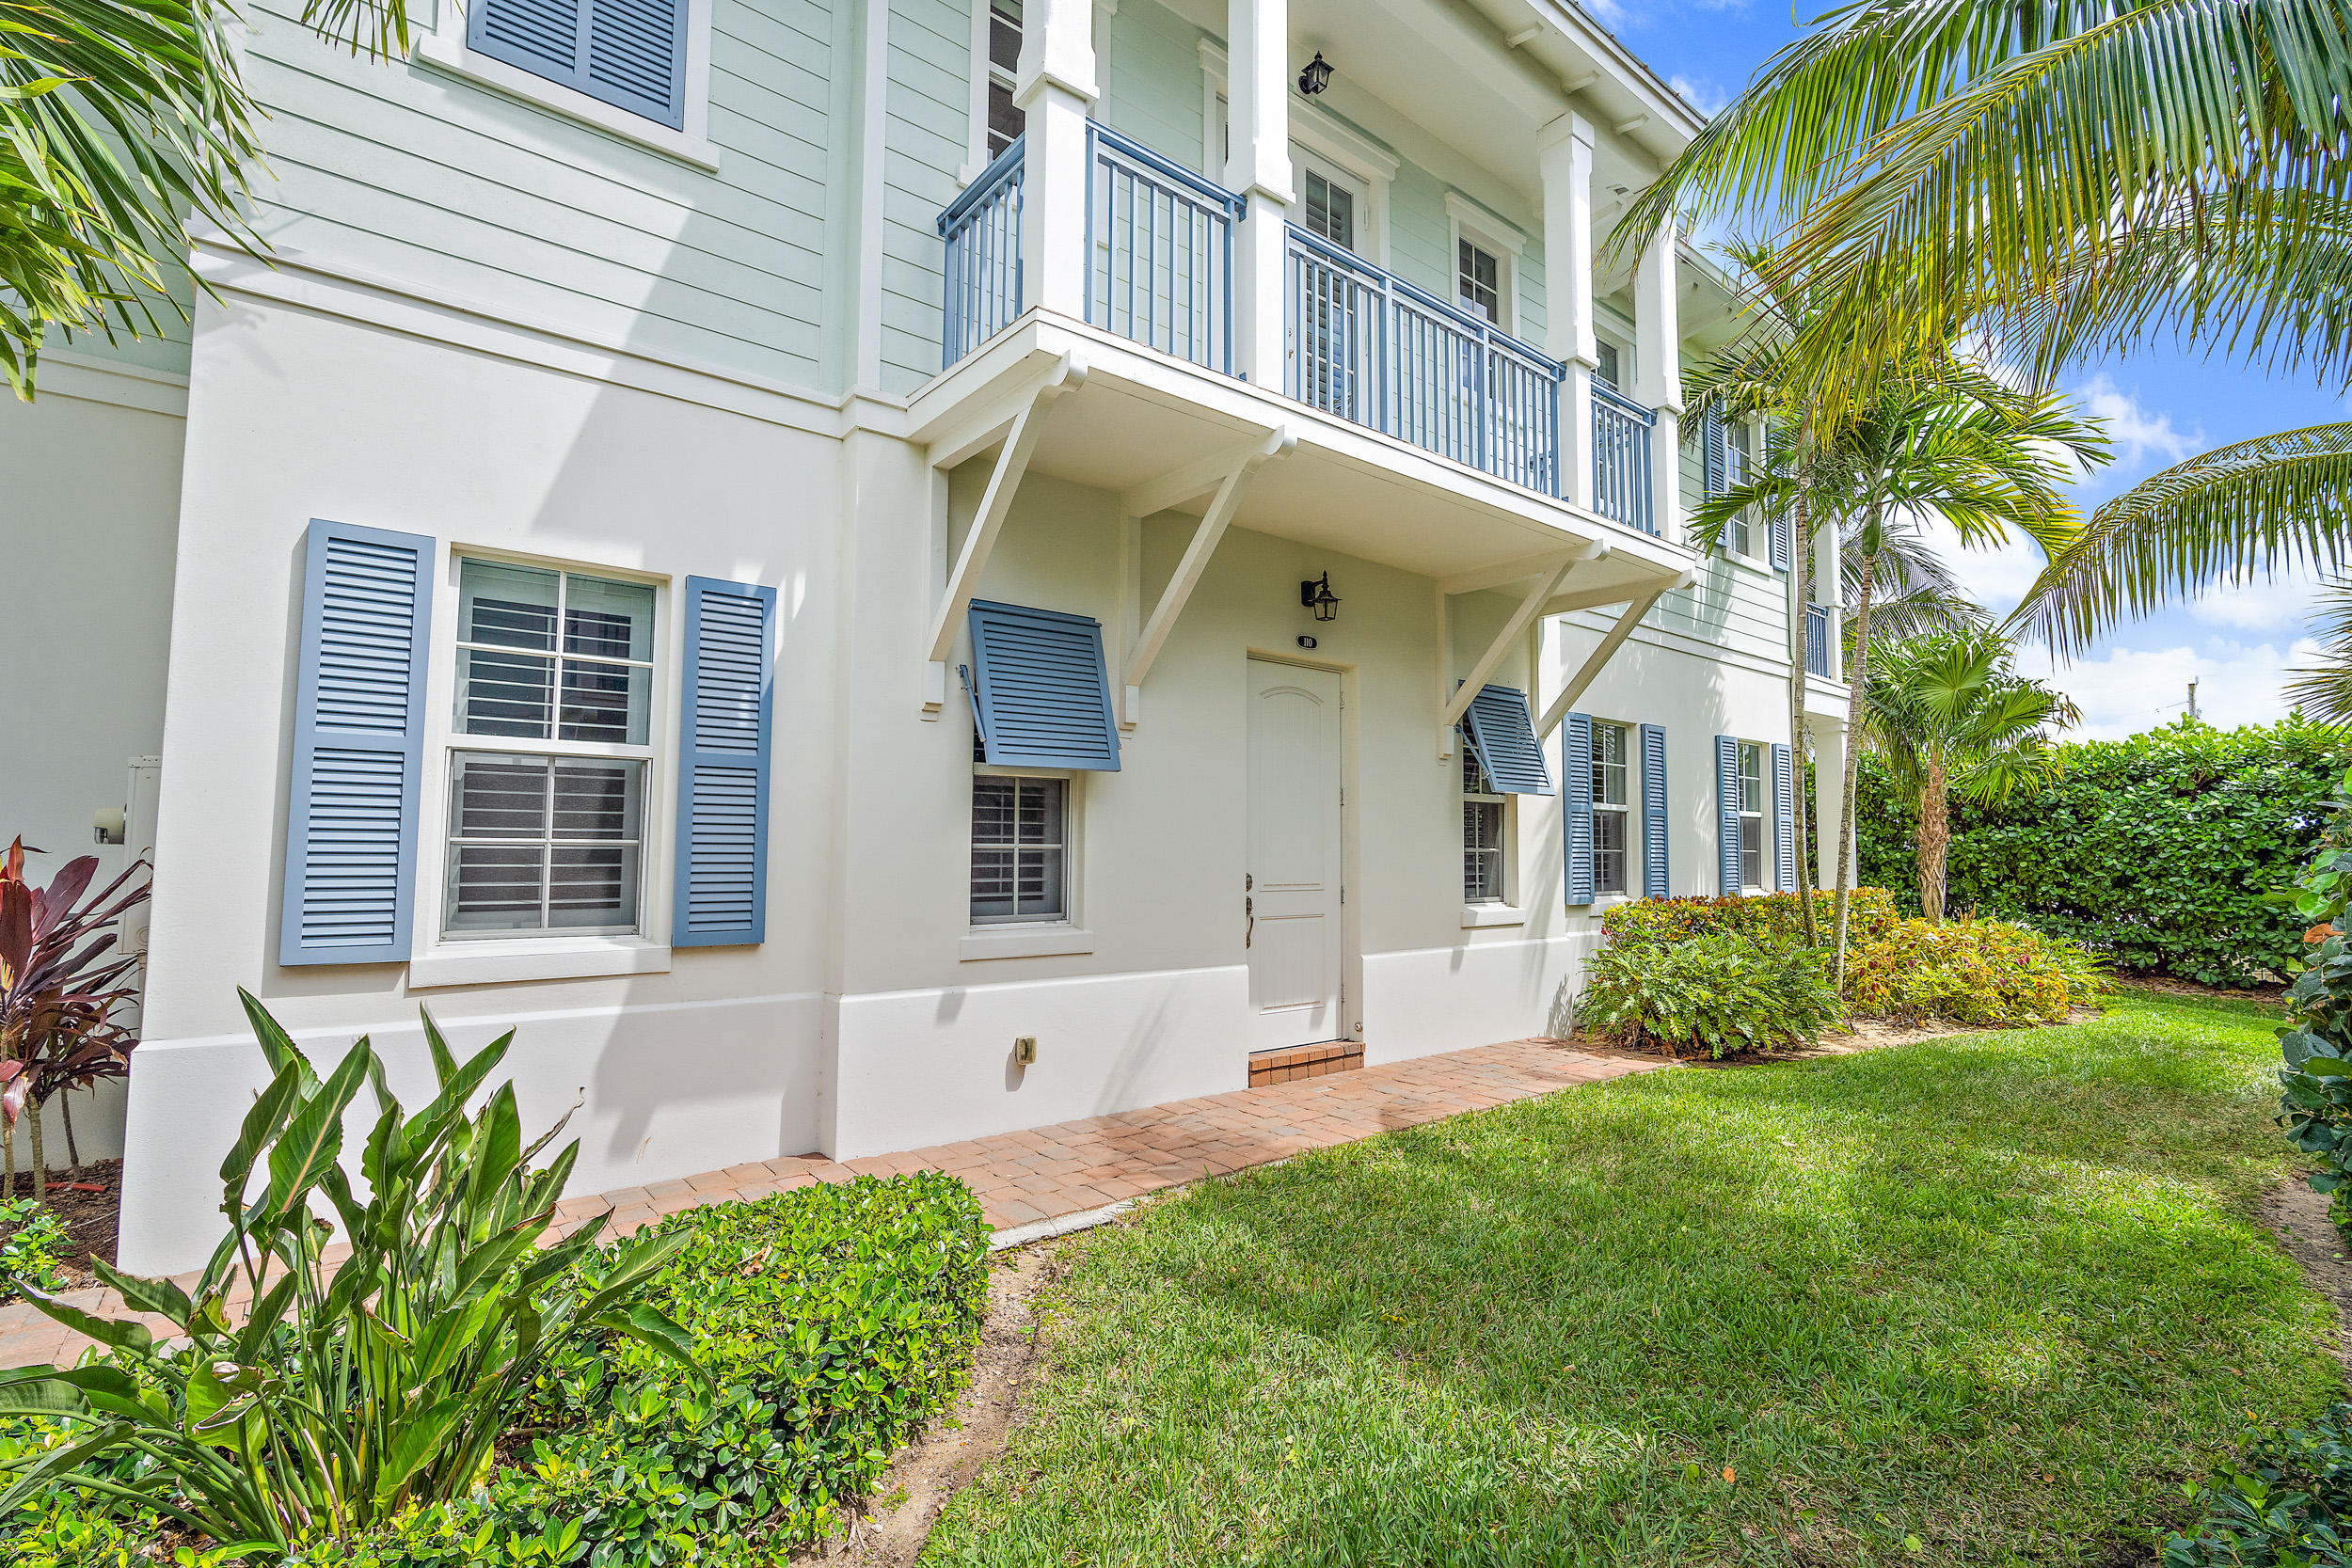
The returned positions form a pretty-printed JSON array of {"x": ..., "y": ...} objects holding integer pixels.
[
  {"x": 1316, "y": 596},
  {"x": 1317, "y": 76}
]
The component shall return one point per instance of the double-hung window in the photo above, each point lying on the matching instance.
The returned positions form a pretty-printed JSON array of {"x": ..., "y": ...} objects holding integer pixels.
[
  {"x": 1613, "y": 865},
  {"x": 1020, "y": 849},
  {"x": 1478, "y": 282},
  {"x": 1330, "y": 211},
  {"x": 1004, "y": 59},
  {"x": 550, "y": 750},
  {"x": 1751, "y": 799},
  {"x": 1485, "y": 828},
  {"x": 1737, "y": 459}
]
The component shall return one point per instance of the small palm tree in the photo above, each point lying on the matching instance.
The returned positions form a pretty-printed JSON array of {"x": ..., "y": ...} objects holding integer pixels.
[
  {"x": 120, "y": 120},
  {"x": 1952, "y": 721},
  {"x": 2323, "y": 692},
  {"x": 1914, "y": 591},
  {"x": 1946, "y": 442},
  {"x": 2070, "y": 179}
]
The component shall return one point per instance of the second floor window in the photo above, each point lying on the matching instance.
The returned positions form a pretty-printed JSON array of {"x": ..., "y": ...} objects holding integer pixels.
[
  {"x": 1330, "y": 211},
  {"x": 1004, "y": 59},
  {"x": 1611, "y": 358},
  {"x": 550, "y": 743},
  {"x": 1611, "y": 806},
  {"x": 1751, "y": 815},
  {"x": 1736, "y": 457},
  {"x": 1478, "y": 279}
]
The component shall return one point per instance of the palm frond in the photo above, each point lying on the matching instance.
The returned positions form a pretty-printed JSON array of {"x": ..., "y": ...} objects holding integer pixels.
[
  {"x": 2239, "y": 514},
  {"x": 2323, "y": 692}
]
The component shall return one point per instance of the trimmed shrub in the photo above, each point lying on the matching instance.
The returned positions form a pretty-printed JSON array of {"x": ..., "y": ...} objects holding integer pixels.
[
  {"x": 1719, "y": 994},
  {"x": 2157, "y": 853},
  {"x": 835, "y": 1320},
  {"x": 1971, "y": 971},
  {"x": 1774, "y": 918},
  {"x": 33, "y": 1243},
  {"x": 2317, "y": 1044},
  {"x": 2288, "y": 1506}
]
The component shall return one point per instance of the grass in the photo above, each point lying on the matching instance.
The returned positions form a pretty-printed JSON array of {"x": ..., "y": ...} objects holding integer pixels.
[{"x": 1982, "y": 1300}]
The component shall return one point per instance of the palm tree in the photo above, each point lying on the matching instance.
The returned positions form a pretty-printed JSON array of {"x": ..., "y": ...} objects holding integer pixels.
[
  {"x": 1949, "y": 443},
  {"x": 1913, "y": 590},
  {"x": 2069, "y": 178},
  {"x": 119, "y": 122},
  {"x": 1951, "y": 721},
  {"x": 2325, "y": 692}
]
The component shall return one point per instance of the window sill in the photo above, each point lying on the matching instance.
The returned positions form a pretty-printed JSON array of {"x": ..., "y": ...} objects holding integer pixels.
[
  {"x": 450, "y": 56},
  {"x": 1027, "y": 942},
  {"x": 505, "y": 962},
  {"x": 1475, "y": 916}
]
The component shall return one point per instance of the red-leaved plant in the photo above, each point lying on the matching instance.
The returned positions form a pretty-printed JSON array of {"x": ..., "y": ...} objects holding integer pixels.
[{"x": 60, "y": 990}]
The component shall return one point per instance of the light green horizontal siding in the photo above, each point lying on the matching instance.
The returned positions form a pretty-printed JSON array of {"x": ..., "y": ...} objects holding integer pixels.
[
  {"x": 162, "y": 332},
  {"x": 1731, "y": 603},
  {"x": 925, "y": 141},
  {"x": 1152, "y": 81},
  {"x": 396, "y": 169}
]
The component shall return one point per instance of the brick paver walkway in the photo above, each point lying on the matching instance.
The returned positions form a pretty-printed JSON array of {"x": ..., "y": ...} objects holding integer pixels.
[{"x": 1026, "y": 1180}]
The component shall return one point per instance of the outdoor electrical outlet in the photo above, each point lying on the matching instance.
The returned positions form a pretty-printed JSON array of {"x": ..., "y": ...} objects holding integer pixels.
[{"x": 1024, "y": 1049}]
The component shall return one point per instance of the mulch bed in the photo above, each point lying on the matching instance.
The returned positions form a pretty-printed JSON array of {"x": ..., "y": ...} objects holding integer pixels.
[
  {"x": 89, "y": 1217},
  {"x": 1861, "y": 1033}
]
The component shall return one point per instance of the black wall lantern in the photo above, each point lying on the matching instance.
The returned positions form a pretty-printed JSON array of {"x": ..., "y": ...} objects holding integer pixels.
[
  {"x": 1316, "y": 596},
  {"x": 1317, "y": 76}
]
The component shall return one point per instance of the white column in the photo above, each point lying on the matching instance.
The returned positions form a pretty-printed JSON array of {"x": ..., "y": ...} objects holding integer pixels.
[
  {"x": 1657, "y": 376},
  {"x": 1829, "y": 790},
  {"x": 1564, "y": 152},
  {"x": 1830, "y": 589},
  {"x": 1258, "y": 166},
  {"x": 1054, "y": 88}
]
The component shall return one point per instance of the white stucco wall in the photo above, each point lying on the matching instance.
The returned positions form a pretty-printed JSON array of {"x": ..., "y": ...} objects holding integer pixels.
[
  {"x": 300, "y": 415},
  {"x": 86, "y": 517}
]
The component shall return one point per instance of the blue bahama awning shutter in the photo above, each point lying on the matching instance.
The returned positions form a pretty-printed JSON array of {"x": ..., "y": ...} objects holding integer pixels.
[
  {"x": 725, "y": 722},
  {"x": 1714, "y": 455},
  {"x": 1727, "y": 812},
  {"x": 1577, "y": 767},
  {"x": 1784, "y": 817},
  {"x": 358, "y": 747},
  {"x": 1503, "y": 732},
  {"x": 1779, "y": 545},
  {"x": 1040, "y": 693},
  {"x": 630, "y": 53},
  {"x": 1655, "y": 881}
]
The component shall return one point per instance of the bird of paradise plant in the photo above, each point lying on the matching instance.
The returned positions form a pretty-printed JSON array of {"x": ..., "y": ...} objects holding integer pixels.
[{"x": 61, "y": 994}]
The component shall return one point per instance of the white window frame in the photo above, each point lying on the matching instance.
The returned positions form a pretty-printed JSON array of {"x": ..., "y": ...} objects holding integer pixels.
[
  {"x": 444, "y": 49},
  {"x": 1743, "y": 550},
  {"x": 976, "y": 154},
  {"x": 1505, "y": 850},
  {"x": 1318, "y": 137},
  {"x": 1760, "y": 811},
  {"x": 440, "y": 958},
  {"x": 1072, "y": 837},
  {"x": 1467, "y": 220},
  {"x": 1629, "y": 810}
]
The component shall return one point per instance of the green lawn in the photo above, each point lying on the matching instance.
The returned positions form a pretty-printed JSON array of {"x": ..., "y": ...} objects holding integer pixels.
[{"x": 1981, "y": 1300}]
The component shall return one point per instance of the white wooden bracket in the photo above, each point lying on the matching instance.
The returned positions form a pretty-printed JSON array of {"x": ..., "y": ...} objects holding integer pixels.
[
  {"x": 1229, "y": 474},
  {"x": 1599, "y": 658},
  {"x": 1549, "y": 575},
  {"x": 1013, "y": 461}
]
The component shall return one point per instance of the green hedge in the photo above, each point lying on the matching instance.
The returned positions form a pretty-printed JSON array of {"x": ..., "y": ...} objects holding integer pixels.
[
  {"x": 2155, "y": 853},
  {"x": 836, "y": 1319}
]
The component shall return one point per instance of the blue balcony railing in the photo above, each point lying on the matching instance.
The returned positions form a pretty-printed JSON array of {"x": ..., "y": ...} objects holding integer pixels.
[
  {"x": 1371, "y": 348},
  {"x": 1621, "y": 459},
  {"x": 1160, "y": 238},
  {"x": 1817, "y": 635},
  {"x": 982, "y": 228}
]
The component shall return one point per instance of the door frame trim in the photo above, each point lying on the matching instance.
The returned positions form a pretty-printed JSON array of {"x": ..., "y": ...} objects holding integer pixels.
[{"x": 1351, "y": 899}]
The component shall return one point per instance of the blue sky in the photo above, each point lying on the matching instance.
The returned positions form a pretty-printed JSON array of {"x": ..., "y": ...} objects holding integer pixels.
[{"x": 2162, "y": 407}]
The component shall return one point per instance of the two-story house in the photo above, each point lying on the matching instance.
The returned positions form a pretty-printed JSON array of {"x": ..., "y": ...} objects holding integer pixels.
[{"x": 870, "y": 572}]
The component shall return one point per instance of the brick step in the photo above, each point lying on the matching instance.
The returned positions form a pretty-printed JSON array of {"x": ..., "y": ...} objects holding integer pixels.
[{"x": 1289, "y": 1063}]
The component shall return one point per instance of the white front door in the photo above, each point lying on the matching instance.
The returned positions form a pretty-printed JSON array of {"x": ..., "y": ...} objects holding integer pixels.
[{"x": 1294, "y": 854}]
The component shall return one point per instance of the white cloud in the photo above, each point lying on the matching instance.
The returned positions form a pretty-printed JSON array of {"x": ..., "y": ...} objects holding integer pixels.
[
  {"x": 2137, "y": 434},
  {"x": 2126, "y": 691},
  {"x": 2278, "y": 608},
  {"x": 1702, "y": 94}
]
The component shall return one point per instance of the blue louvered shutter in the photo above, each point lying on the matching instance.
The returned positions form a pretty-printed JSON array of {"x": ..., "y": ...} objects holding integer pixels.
[
  {"x": 1503, "y": 731},
  {"x": 358, "y": 747},
  {"x": 726, "y": 720},
  {"x": 1655, "y": 881},
  {"x": 1040, "y": 689},
  {"x": 1727, "y": 812},
  {"x": 630, "y": 53},
  {"x": 1576, "y": 765},
  {"x": 1785, "y": 817},
  {"x": 1714, "y": 455},
  {"x": 1779, "y": 545}
]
